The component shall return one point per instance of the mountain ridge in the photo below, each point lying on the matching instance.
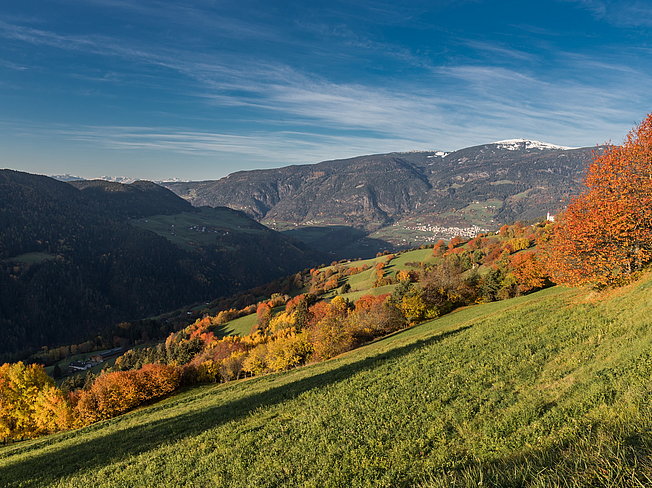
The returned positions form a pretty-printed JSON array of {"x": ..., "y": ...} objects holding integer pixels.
[{"x": 388, "y": 196}]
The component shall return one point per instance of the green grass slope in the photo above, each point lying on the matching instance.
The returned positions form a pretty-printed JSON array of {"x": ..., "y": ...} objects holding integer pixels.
[
  {"x": 241, "y": 326},
  {"x": 361, "y": 284},
  {"x": 202, "y": 227},
  {"x": 551, "y": 389},
  {"x": 364, "y": 281}
]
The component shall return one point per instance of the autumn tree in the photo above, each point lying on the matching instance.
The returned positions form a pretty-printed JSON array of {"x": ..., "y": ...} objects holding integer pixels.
[
  {"x": 529, "y": 272},
  {"x": 374, "y": 316},
  {"x": 264, "y": 315},
  {"x": 403, "y": 275},
  {"x": 330, "y": 337},
  {"x": 30, "y": 404},
  {"x": 454, "y": 242},
  {"x": 413, "y": 304},
  {"x": 114, "y": 393},
  {"x": 232, "y": 367},
  {"x": 519, "y": 243},
  {"x": 505, "y": 231},
  {"x": 605, "y": 235},
  {"x": 256, "y": 361},
  {"x": 52, "y": 411},
  {"x": 288, "y": 350},
  {"x": 318, "y": 311},
  {"x": 439, "y": 248},
  {"x": 282, "y": 320},
  {"x": 302, "y": 314},
  {"x": 444, "y": 287}
]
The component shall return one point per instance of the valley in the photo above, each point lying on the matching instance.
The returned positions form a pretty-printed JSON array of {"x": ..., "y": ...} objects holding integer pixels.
[
  {"x": 442, "y": 365},
  {"x": 359, "y": 206},
  {"x": 76, "y": 259},
  {"x": 330, "y": 249}
]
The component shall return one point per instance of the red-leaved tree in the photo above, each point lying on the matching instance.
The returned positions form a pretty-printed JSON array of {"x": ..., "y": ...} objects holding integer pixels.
[{"x": 605, "y": 235}]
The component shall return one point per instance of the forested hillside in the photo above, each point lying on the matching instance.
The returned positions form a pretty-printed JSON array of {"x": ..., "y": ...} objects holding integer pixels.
[{"x": 73, "y": 260}]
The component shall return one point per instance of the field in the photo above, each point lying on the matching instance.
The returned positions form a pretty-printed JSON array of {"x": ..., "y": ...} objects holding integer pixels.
[
  {"x": 381, "y": 290},
  {"x": 401, "y": 261},
  {"x": 550, "y": 389},
  {"x": 203, "y": 227},
  {"x": 361, "y": 284},
  {"x": 241, "y": 326}
]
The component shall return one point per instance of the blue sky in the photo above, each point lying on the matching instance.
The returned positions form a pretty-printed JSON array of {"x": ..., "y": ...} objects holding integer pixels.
[{"x": 196, "y": 90}]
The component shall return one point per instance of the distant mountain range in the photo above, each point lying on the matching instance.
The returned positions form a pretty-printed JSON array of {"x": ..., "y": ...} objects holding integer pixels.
[
  {"x": 115, "y": 179},
  {"x": 78, "y": 257},
  {"x": 358, "y": 205}
]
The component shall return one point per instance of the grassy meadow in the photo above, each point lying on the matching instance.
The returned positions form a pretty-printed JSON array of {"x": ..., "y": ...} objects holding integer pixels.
[
  {"x": 360, "y": 283},
  {"x": 549, "y": 389},
  {"x": 202, "y": 227},
  {"x": 241, "y": 326}
]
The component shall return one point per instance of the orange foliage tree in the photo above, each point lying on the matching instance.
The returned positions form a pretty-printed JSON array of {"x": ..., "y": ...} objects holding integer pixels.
[
  {"x": 528, "y": 271},
  {"x": 114, "y": 393},
  {"x": 455, "y": 241},
  {"x": 605, "y": 235},
  {"x": 439, "y": 248}
]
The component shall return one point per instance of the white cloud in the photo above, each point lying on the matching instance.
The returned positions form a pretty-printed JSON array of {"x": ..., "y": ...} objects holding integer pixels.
[
  {"x": 578, "y": 100},
  {"x": 262, "y": 149},
  {"x": 623, "y": 13}
]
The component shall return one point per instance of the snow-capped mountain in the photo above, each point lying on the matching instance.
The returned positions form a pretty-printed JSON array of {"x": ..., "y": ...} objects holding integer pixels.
[
  {"x": 488, "y": 184},
  {"x": 125, "y": 180},
  {"x": 66, "y": 177},
  {"x": 516, "y": 144}
]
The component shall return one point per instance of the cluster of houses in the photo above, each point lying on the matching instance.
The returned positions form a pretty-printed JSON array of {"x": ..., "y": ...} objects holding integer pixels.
[
  {"x": 97, "y": 358},
  {"x": 204, "y": 229},
  {"x": 439, "y": 231}
]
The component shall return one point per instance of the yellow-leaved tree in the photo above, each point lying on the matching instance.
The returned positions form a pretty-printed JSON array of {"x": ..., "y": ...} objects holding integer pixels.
[{"x": 30, "y": 404}]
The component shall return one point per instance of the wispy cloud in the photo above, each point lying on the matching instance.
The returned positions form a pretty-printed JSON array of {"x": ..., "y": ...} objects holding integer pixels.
[
  {"x": 499, "y": 51},
  {"x": 190, "y": 14},
  {"x": 280, "y": 147},
  {"x": 580, "y": 100},
  {"x": 11, "y": 65},
  {"x": 626, "y": 13}
]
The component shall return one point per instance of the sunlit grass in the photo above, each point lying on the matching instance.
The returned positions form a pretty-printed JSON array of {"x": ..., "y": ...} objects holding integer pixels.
[{"x": 550, "y": 389}]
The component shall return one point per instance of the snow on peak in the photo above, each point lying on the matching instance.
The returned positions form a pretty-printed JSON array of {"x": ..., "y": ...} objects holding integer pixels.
[
  {"x": 516, "y": 144},
  {"x": 66, "y": 177},
  {"x": 125, "y": 180},
  {"x": 441, "y": 154}
]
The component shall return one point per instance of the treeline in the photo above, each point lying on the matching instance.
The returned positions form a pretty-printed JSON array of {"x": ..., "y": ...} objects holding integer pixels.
[
  {"x": 289, "y": 332},
  {"x": 31, "y": 405},
  {"x": 136, "y": 332}
]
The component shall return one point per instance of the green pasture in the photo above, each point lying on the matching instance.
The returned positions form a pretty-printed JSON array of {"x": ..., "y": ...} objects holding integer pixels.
[{"x": 547, "y": 390}]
